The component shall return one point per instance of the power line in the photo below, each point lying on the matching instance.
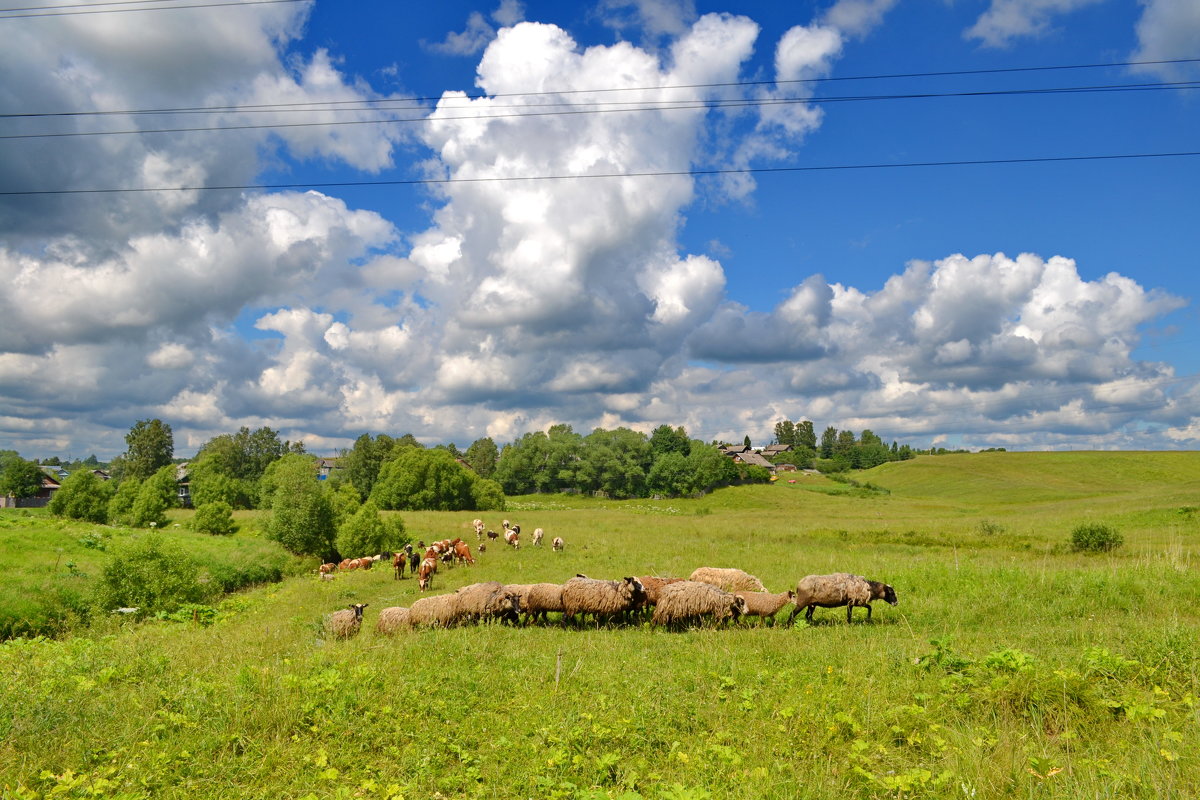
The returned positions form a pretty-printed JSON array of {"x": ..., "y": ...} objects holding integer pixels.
[
  {"x": 627, "y": 107},
  {"x": 48, "y": 11},
  {"x": 654, "y": 174},
  {"x": 329, "y": 105}
]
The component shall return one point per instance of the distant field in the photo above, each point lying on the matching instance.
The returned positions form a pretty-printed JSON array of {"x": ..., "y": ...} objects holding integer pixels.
[{"x": 1012, "y": 667}]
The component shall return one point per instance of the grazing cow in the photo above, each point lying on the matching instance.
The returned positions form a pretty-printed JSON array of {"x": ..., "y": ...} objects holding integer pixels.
[
  {"x": 512, "y": 537},
  {"x": 327, "y": 568},
  {"x": 462, "y": 553},
  {"x": 478, "y": 526},
  {"x": 398, "y": 562},
  {"x": 538, "y": 533},
  {"x": 425, "y": 573},
  {"x": 557, "y": 545},
  {"x": 348, "y": 564}
]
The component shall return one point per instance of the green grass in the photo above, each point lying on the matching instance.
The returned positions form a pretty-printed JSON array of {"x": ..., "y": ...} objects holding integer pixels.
[
  {"x": 1013, "y": 667},
  {"x": 51, "y": 566}
]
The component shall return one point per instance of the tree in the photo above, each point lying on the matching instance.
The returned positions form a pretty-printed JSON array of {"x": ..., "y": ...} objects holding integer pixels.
[
  {"x": 785, "y": 432},
  {"x": 366, "y": 533},
  {"x": 120, "y": 508},
  {"x": 488, "y": 495},
  {"x": 150, "y": 447},
  {"x": 22, "y": 478},
  {"x": 215, "y": 518},
  {"x": 361, "y": 463},
  {"x": 670, "y": 475},
  {"x": 828, "y": 441},
  {"x": 746, "y": 441},
  {"x": 806, "y": 435},
  {"x": 482, "y": 455},
  {"x": 710, "y": 467},
  {"x": 614, "y": 462},
  {"x": 665, "y": 439},
  {"x": 420, "y": 479},
  {"x": 156, "y": 495},
  {"x": 302, "y": 517},
  {"x": 83, "y": 496}
]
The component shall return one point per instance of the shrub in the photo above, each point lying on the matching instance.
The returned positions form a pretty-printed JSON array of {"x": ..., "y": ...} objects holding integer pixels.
[
  {"x": 1095, "y": 537},
  {"x": 156, "y": 495},
  {"x": 215, "y": 517},
  {"x": 150, "y": 574},
  {"x": 83, "y": 496},
  {"x": 367, "y": 533}
]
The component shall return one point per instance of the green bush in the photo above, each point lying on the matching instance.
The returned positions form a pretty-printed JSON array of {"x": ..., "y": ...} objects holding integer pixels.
[
  {"x": 1095, "y": 537},
  {"x": 83, "y": 496},
  {"x": 215, "y": 517},
  {"x": 152, "y": 575}
]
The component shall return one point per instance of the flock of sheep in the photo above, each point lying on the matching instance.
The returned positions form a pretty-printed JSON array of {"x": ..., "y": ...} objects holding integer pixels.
[{"x": 709, "y": 594}]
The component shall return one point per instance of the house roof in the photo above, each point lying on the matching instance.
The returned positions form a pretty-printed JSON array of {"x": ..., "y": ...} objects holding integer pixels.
[
  {"x": 773, "y": 449},
  {"x": 754, "y": 459}
]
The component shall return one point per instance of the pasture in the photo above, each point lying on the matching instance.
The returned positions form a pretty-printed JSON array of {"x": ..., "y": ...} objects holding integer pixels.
[{"x": 1012, "y": 667}]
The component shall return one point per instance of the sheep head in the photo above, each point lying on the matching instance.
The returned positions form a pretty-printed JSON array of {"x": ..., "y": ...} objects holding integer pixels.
[
  {"x": 357, "y": 608},
  {"x": 882, "y": 591}
]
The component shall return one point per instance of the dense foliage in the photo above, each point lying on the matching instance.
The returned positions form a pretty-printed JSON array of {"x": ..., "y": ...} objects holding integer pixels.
[
  {"x": 1096, "y": 537},
  {"x": 83, "y": 496},
  {"x": 151, "y": 446},
  {"x": 366, "y": 533},
  {"x": 150, "y": 574},
  {"x": 302, "y": 516},
  {"x": 215, "y": 517},
  {"x": 21, "y": 478}
]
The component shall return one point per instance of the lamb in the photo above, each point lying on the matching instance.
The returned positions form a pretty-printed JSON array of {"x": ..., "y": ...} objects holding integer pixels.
[
  {"x": 345, "y": 624},
  {"x": 688, "y": 601},
  {"x": 492, "y": 535},
  {"x": 765, "y": 605},
  {"x": 557, "y": 545},
  {"x": 541, "y": 599},
  {"x": 439, "y": 611},
  {"x": 839, "y": 589},
  {"x": 729, "y": 580},
  {"x": 538, "y": 533},
  {"x": 392, "y": 620},
  {"x": 607, "y": 599}
]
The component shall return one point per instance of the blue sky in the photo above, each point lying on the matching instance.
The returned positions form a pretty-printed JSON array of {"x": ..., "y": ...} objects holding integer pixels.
[{"x": 1023, "y": 305}]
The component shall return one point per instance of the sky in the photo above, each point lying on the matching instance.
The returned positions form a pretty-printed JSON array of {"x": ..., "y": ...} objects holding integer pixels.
[{"x": 461, "y": 220}]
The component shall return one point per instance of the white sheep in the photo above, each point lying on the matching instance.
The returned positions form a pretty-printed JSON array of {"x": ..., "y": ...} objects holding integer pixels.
[
  {"x": 764, "y": 604},
  {"x": 729, "y": 580},
  {"x": 839, "y": 589},
  {"x": 557, "y": 545},
  {"x": 538, "y": 533},
  {"x": 345, "y": 624},
  {"x": 687, "y": 602}
]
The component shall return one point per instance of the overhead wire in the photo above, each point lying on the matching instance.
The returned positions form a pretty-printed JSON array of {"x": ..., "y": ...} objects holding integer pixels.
[
  {"x": 80, "y": 9},
  {"x": 329, "y": 105},
  {"x": 594, "y": 176},
  {"x": 624, "y": 107}
]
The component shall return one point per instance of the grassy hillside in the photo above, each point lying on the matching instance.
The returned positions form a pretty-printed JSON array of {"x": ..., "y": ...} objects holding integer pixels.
[
  {"x": 51, "y": 566},
  {"x": 1011, "y": 668}
]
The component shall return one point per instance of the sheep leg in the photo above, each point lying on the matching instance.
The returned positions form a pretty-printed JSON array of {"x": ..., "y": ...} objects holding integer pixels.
[
  {"x": 849, "y": 612},
  {"x": 808, "y": 614},
  {"x": 868, "y": 612}
]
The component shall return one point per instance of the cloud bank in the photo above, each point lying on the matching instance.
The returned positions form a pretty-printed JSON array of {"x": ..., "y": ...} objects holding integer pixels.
[{"x": 523, "y": 302}]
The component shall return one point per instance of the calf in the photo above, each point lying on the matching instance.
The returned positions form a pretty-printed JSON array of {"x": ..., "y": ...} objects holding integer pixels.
[{"x": 398, "y": 562}]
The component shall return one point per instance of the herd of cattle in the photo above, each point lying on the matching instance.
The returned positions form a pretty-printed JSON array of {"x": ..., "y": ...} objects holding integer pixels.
[{"x": 716, "y": 594}]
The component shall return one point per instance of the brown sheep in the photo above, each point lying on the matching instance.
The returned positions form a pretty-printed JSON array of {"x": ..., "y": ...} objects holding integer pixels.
[
  {"x": 839, "y": 589},
  {"x": 439, "y": 611},
  {"x": 654, "y": 586},
  {"x": 729, "y": 580},
  {"x": 765, "y": 605}
]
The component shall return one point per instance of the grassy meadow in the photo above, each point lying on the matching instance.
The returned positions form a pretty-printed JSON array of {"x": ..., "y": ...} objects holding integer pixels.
[{"x": 1012, "y": 667}]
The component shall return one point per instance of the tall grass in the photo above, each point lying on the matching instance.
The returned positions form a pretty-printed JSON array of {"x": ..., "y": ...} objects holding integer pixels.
[{"x": 1012, "y": 667}]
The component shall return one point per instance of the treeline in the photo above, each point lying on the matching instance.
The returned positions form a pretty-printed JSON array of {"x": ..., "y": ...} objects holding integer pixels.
[
  {"x": 835, "y": 451},
  {"x": 619, "y": 463}
]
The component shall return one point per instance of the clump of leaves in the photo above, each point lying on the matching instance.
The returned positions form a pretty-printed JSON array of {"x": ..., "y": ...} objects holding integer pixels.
[{"x": 1095, "y": 537}]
